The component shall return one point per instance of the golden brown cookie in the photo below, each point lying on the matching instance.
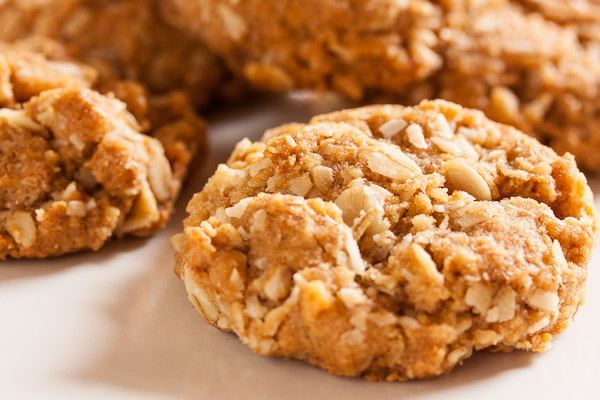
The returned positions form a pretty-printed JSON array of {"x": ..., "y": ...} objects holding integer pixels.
[
  {"x": 390, "y": 242},
  {"x": 126, "y": 39},
  {"x": 349, "y": 45},
  {"x": 76, "y": 167},
  {"x": 520, "y": 66}
]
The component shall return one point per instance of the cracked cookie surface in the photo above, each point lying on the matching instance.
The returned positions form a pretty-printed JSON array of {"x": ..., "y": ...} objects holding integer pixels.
[
  {"x": 76, "y": 167},
  {"x": 531, "y": 64},
  {"x": 390, "y": 242}
]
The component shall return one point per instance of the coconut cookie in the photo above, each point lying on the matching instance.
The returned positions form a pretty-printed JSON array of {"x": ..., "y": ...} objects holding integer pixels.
[
  {"x": 76, "y": 167},
  {"x": 390, "y": 242},
  {"x": 503, "y": 57},
  {"x": 126, "y": 39}
]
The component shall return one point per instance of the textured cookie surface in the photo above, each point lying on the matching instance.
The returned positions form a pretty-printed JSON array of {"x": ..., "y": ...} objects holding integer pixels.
[
  {"x": 75, "y": 165},
  {"x": 125, "y": 39},
  {"x": 532, "y": 64},
  {"x": 390, "y": 242}
]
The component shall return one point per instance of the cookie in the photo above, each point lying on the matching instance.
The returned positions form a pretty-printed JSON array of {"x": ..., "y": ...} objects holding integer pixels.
[
  {"x": 350, "y": 45},
  {"x": 76, "y": 167},
  {"x": 126, "y": 39},
  {"x": 390, "y": 242},
  {"x": 519, "y": 66}
]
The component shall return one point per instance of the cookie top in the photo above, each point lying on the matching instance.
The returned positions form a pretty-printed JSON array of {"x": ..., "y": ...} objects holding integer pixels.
[
  {"x": 76, "y": 167},
  {"x": 127, "y": 39},
  {"x": 390, "y": 242}
]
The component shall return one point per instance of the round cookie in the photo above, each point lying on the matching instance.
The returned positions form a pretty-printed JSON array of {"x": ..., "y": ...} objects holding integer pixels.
[
  {"x": 500, "y": 56},
  {"x": 390, "y": 242},
  {"x": 76, "y": 167}
]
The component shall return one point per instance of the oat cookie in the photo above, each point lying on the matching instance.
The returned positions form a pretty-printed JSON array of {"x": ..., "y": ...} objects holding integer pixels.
[
  {"x": 76, "y": 167},
  {"x": 390, "y": 242},
  {"x": 126, "y": 39},
  {"x": 521, "y": 66}
]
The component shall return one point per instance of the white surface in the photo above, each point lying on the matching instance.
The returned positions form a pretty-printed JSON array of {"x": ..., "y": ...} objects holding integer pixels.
[{"x": 117, "y": 324}]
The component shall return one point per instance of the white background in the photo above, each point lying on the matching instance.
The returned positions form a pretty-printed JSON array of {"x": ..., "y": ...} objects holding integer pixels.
[{"x": 117, "y": 323}]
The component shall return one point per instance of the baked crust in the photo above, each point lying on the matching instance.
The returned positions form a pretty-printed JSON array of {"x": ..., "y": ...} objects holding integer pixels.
[
  {"x": 76, "y": 167},
  {"x": 390, "y": 242}
]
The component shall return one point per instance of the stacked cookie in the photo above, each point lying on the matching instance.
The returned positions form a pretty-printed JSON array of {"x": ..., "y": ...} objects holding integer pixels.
[{"x": 388, "y": 242}]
